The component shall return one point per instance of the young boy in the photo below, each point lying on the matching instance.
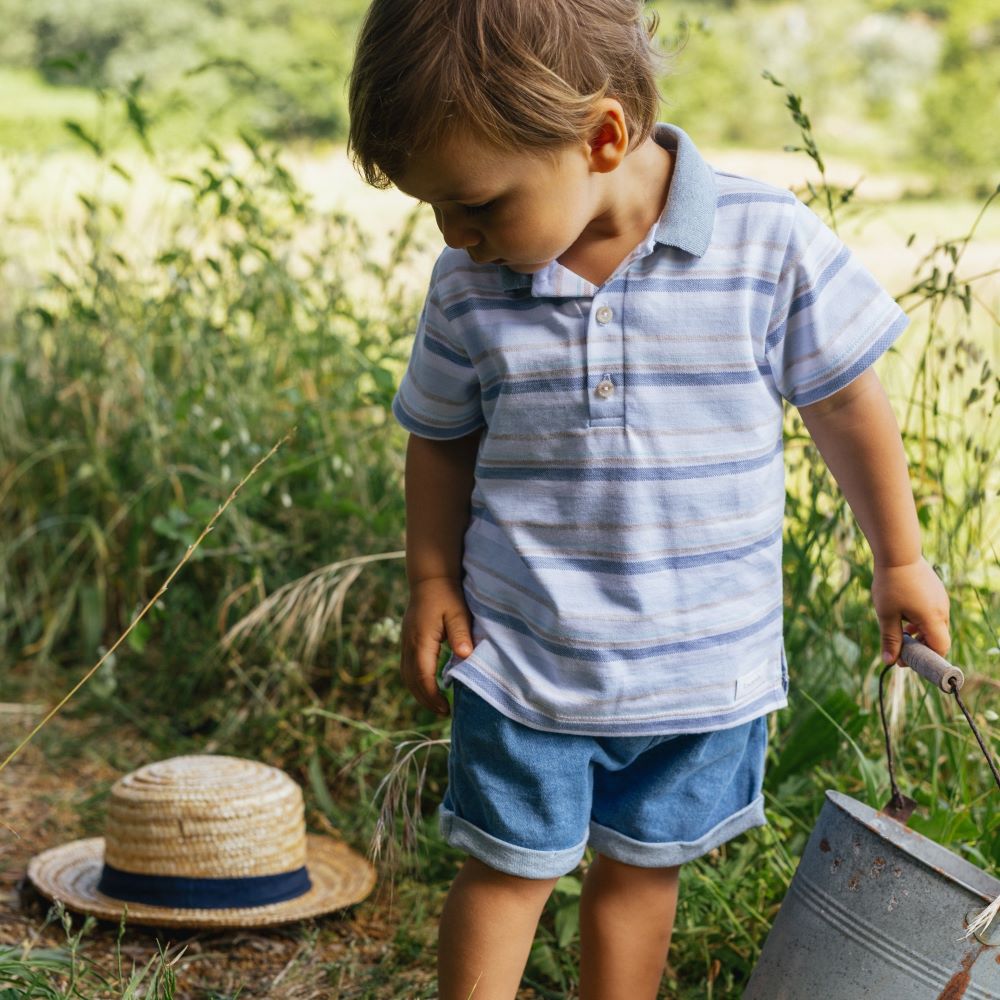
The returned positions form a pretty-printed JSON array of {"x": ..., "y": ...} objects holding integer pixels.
[{"x": 594, "y": 478}]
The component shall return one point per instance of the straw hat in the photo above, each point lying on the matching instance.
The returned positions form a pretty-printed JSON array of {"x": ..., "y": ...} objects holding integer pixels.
[{"x": 204, "y": 841}]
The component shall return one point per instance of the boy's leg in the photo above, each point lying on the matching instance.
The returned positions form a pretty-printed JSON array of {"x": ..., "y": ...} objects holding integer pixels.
[
  {"x": 626, "y": 919},
  {"x": 486, "y": 931}
]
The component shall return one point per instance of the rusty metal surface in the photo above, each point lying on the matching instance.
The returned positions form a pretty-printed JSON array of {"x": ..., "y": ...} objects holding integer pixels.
[
  {"x": 877, "y": 911},
  {"x": 900, "y": 808}
]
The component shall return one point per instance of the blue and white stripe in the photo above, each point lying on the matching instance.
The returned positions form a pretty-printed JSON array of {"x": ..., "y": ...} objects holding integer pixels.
[{"x": 623, "y": 557}]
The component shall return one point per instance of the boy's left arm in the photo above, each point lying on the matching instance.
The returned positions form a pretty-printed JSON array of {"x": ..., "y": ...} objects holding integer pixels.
[{"x": 857, "y": 435}]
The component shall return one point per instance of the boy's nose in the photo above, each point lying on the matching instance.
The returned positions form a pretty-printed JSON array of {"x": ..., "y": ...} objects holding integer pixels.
[{"x": 457, "y": 234}]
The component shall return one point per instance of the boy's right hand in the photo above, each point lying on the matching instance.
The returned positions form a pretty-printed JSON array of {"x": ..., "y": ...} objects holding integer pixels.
[{"x": 436, "y": 613}]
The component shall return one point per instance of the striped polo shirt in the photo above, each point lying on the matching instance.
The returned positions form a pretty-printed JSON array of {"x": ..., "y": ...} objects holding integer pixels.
[{"x": 622, "y": 561}]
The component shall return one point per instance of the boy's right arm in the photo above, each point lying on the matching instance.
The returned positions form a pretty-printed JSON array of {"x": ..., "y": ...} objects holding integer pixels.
[{"x": 439, "y": 480}]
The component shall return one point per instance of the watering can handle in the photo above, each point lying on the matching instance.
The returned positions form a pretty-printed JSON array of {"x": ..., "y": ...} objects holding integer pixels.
[{"x": 931, "y": 665}]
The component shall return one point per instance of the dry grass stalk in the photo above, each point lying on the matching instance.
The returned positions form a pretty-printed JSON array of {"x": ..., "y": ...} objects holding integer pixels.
[
  {"x": 163, "y": 587},
  {"x": 396, "y": 804},
  {"x": 983, "y": 919},
  {"x": 299, "y": 615}
]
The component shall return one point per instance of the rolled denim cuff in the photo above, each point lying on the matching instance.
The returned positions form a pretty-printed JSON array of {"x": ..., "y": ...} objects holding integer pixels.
[
  {"x": 504, "y": 857},
  {"x": 633, "y": 852}
]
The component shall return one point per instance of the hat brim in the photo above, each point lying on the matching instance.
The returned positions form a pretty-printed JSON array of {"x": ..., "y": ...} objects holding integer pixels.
[{"x": 70, "y": 873}]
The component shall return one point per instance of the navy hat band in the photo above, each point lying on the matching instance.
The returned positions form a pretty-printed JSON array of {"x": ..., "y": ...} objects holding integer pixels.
[{"x": 203, "y": 893}]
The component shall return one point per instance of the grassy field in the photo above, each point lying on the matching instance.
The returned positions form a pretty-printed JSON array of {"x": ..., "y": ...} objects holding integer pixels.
[{"x": 158, "y": 335}]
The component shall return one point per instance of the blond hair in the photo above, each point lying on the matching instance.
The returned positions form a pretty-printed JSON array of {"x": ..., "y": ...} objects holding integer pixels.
[{"x": 509, "y": 71}]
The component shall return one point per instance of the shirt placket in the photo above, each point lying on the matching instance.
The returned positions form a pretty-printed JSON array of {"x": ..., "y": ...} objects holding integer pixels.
[{"x": 606, "y": 357}]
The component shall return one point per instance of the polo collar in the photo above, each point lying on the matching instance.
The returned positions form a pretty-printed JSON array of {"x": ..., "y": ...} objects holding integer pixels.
[{"x": 687, "y": 219}]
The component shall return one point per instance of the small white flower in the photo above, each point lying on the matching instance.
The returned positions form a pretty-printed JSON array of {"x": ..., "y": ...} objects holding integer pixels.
[
  {"x": 286, "y": 500},
  {"x": 215, "y": 424},
  {"x": 109, "y": 663},
  {"x": 388, "y": 629}
]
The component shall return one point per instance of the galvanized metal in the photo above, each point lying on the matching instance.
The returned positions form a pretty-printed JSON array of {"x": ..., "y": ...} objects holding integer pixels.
[{"x": 879, "y": 912}]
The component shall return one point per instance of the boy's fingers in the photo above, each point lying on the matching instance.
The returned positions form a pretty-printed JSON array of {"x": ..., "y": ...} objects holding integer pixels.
[
  {"x": 937, "y": 636},
  {"x": 419, "y": 670},
  {"x": 459, "y": 638},
  {"x": 892, "y": 638}
]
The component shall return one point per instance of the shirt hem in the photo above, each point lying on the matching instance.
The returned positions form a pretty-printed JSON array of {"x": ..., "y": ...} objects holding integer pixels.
[{"x": 770, "y": 700}]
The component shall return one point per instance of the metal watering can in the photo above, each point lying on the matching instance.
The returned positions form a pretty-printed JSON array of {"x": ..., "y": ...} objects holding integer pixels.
[{"x": 876, "y": 910}]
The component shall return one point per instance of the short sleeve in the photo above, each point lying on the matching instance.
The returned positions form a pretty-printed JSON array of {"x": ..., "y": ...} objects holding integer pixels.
[
  {"x": 439, "y": 395},
  {"x": 831, "y": 319}
]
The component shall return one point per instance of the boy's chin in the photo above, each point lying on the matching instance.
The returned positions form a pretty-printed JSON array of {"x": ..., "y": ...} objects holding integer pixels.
[
  {"x": 518, "y": 266},
  {"x": 526, "y": 268}
]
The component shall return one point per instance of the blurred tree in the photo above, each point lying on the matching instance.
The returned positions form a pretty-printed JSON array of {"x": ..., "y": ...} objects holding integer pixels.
[
  {"x": 936, "y": 9},
  {"x": 277, "y": 65},
  {"x": 911, "y": 81},
  {"x": 958, "y": 136}
]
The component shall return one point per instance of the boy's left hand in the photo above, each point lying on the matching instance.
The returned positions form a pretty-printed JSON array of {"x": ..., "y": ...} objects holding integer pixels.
[{"x": 911, "y": 594}]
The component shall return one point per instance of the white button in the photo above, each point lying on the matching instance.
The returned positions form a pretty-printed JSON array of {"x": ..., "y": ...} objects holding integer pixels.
[
  {"x": 605, "y": 387},
  {"x": 604, "y": 315}
]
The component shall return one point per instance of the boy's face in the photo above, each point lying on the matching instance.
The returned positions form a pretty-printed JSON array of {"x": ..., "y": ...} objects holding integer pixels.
[{"x": 511, "y": 208}]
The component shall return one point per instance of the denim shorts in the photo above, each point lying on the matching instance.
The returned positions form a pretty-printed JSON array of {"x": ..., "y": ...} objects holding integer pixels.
[{"x": 528, "y": 802}]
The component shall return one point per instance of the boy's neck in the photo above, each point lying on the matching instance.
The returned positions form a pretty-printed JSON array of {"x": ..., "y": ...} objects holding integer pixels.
[{"x": 629, "y": 201}]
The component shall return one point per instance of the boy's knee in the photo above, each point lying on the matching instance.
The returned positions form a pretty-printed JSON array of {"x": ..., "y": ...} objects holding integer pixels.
[
  {"x": 502, "y": 881},
  {"x": 621, "y": 871}
]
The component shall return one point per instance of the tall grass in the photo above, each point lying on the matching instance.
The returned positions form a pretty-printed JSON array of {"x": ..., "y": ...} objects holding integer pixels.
[{"x": 137, "y": 383}]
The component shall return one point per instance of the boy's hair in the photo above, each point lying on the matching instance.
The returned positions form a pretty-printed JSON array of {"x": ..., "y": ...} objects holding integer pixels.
[{"x": 522, "y": 73}]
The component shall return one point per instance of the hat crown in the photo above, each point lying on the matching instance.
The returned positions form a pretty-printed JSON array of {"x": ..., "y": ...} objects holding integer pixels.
[{"x": 206, "y": 816}]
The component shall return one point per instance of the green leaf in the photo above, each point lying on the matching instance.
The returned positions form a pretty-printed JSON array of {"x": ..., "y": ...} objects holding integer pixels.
[
  {"x": 317, "y": 782},
  {"x": 567, "y": 923},
  {"x": 568, "y": 885},
  {"x": 84, "y": 136},
  {"x": 544, "y": 962},
  {"x": 137, "y": 116},
  {"x": 91, "y": 615},
  {"x": 139, "y": 636},
  {"x": 814, "y": 737},
  {"x": 176, "y": 526}
]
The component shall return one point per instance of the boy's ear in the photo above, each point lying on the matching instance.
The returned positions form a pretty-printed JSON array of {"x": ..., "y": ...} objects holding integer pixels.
[{"x": 608, "y": 142}]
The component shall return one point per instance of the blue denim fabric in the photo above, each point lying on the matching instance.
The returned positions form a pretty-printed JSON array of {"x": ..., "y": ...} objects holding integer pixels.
[{"x": 527, "y": 802}]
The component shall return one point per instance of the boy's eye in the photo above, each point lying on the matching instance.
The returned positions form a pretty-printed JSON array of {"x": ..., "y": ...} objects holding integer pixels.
[{"x": 484, "y": 207}]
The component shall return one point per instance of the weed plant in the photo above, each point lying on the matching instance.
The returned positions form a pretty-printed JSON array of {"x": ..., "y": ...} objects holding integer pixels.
[
  {"x": 137, "y": 385},
  {"x": 66, "y": 973}
]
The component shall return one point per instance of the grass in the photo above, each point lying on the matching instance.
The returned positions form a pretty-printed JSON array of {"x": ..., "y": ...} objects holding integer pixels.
[
  {"x": 140, "y": 378},
  {"x": 65, "y": 973},
  {"x": 33, "y": 109}
]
